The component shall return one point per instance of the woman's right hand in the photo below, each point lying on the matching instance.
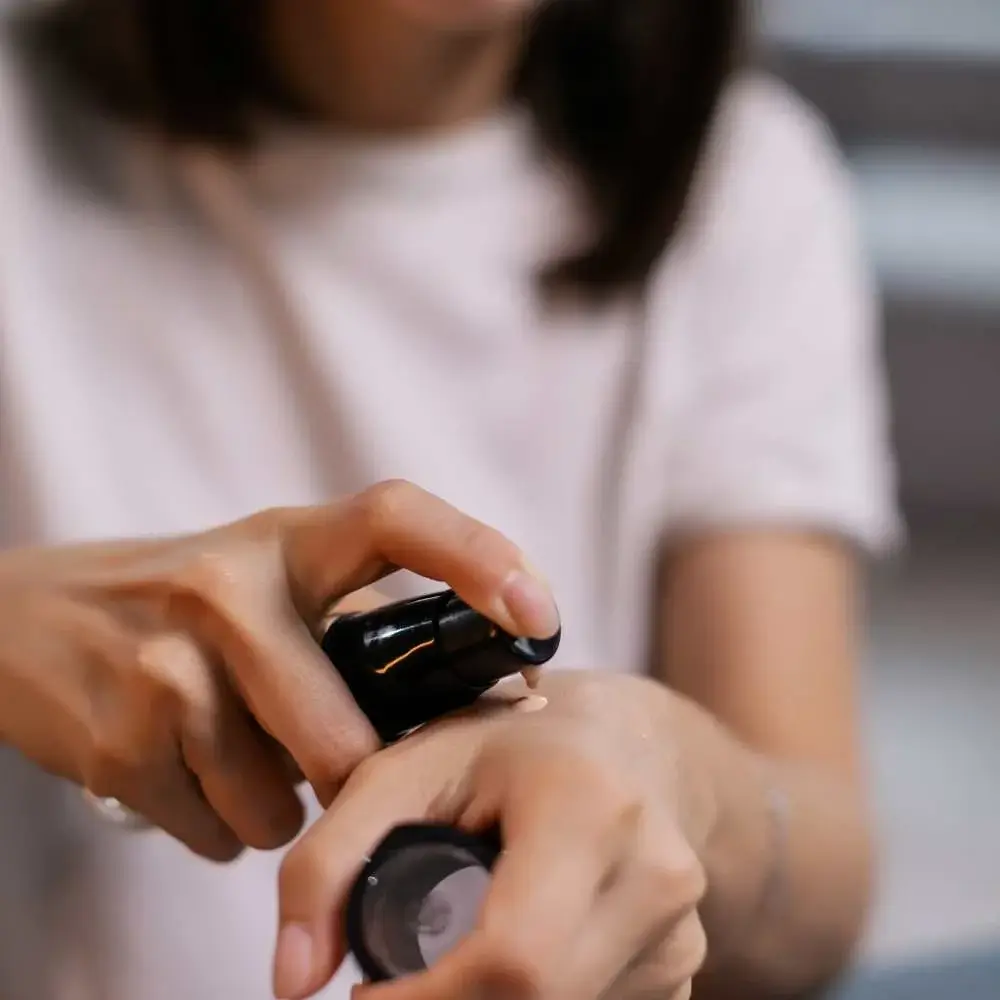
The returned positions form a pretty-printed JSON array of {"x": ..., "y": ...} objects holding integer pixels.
[{"x": 179, "y": 675}]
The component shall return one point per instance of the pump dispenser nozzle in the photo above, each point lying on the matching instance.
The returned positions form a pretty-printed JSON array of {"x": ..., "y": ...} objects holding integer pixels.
[{"x": 413, "y": 661}]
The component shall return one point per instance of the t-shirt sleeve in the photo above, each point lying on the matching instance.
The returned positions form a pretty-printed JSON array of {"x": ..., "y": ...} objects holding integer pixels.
[{"x": 787, "y": 420}]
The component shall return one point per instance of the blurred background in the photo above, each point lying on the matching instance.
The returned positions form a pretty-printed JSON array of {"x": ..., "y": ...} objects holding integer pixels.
[{"x": 912, "y": 89}]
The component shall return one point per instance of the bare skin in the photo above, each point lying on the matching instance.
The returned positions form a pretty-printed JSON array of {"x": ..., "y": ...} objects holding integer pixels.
[{"x": 179, "y": 675}]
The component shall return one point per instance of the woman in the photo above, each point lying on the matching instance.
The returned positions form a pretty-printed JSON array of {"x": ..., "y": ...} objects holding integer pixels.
[{"x": 564, "y": 266}]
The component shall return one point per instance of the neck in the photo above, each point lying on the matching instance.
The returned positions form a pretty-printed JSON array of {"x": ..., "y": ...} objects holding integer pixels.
[{"x": 391, "y": 76}]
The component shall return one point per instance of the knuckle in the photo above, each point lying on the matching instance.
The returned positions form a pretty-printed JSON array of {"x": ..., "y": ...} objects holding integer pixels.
[
  {"x": 622, "y": 816},
  {"x": 206, "y": 835},
  {"x": 179, "y": 680},
  {"x": 171, "y": 662},
  {"x": 684, "y": 954},
  {"x": 280, "y": 829},
  {"x": 669, "y": 865},
  {"x": 674, "y": 964},
  {"x": 675, "y": 878},
  {"x": 307, "y": 866},
  {"x": 209, "y": 577},
  {"x": 181, "y": 686},
  {"x": 622, "y": 809},
  {"x": 113, "y": 763},
  {"x": 694, "y": 948},
  {"x": 625, "y": 807},
  {"x": 116, "y": 746},
  {"x": 384, "y": 503}
]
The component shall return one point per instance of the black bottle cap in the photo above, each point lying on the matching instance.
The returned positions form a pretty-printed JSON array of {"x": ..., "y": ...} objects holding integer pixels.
[
  {"x": 482, "y": 653},
  {"x": 417, "y": 897},
  {"x": 410, "y": 662}
]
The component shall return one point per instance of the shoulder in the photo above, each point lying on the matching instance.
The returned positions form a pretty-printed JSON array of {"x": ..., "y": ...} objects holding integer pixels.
[
  {"x": 759, "y": 114},
  {"x": 786, "y": 420},
  {"x": 771, "y": 168},
  {"x": 772, "y": 217}
]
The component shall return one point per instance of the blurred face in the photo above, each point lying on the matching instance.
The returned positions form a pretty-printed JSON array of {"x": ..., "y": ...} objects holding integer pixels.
[{"x": 398, "y": 61}]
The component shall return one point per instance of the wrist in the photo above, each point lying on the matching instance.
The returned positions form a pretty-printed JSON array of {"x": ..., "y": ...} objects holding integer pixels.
[
  {"x": 691, "y": 752},
  {"x": 734, "y": 816}
]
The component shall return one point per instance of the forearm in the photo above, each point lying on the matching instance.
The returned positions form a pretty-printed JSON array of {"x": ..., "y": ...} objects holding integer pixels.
[{"x": 788, "y": 854}]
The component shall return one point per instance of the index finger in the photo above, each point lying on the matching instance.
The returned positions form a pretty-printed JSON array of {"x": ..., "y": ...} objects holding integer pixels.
[{"x": 332, "y": 550}]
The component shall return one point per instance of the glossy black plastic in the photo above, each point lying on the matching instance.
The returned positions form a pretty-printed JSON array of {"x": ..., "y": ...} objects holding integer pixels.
[
  {"x": 391, "y": 934},
  {"x": 411, "y": 662}
]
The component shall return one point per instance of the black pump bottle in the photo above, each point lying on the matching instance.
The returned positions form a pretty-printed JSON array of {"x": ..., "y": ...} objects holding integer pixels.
[{"x": 411, "y": 662}]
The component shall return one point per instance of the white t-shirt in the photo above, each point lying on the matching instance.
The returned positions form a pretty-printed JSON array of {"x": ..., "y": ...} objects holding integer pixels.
[{"x": 184, "y": 341}]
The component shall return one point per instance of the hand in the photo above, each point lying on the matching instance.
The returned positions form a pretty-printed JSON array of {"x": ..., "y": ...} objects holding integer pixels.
[
  {"x": 175, "y": 674},
  {"x": 597, "y": 890}
]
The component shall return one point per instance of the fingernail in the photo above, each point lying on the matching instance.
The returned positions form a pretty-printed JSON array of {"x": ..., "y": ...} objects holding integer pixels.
[
  {"x": 293, "y": 962},
  {"x": 527, "y": 600}
]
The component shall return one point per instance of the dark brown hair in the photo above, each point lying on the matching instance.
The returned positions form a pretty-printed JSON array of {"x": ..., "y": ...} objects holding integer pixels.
[{"x": 623, "y": 91}]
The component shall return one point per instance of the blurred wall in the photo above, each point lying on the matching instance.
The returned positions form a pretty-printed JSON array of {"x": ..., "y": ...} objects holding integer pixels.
[{"x": 912, "y": 88}]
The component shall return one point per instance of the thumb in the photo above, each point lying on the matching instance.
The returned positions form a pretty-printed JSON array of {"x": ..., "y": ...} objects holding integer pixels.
[{"x": 403, "y": 785}]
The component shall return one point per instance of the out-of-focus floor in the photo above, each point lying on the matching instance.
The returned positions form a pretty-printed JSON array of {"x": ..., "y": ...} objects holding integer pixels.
[{"x": 933, "y": 689}]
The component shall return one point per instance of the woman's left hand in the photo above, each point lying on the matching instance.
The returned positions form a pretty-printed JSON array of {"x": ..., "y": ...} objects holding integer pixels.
[{"x": 597, "y": 889}]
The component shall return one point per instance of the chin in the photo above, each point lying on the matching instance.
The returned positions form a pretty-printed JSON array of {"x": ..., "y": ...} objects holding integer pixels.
[{"x": 464, "y": 15}]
